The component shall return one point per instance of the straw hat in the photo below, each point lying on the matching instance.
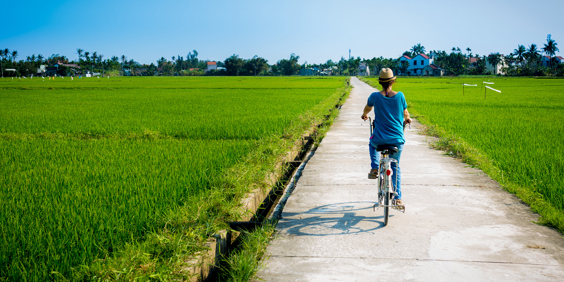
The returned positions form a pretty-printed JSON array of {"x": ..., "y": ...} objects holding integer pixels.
[{"x": 386, "y": 75}]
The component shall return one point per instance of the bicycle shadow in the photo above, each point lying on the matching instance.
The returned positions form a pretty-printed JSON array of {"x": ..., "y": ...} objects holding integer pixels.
[{"x": 333, "y": 219}]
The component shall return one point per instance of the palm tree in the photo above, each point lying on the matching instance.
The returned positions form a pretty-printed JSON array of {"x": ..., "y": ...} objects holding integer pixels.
[
  {"x": 520, "y": 54},
  {"x": 494, "y": 60},
  {"x": 87, "y": 56},
  {"x": 14, "y": 55},
  {"x": 79, "y": 51},
  {"x": 417, "y": 49},
  {"x": 101, "y": 62},
  {"x": 40, "y": 59},
  {"x": 123, "y": 60},
  {"x": 94, "y": 59},
  {"x": 2, "y": 61},
  {"x": 532, "y": 55},
  {"x": 468, "y": 50},
  {"x": 550, "y": 47}
]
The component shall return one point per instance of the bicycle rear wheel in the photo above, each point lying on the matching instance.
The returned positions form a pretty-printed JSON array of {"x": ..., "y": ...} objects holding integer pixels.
[{"x": 386, "y": 208}]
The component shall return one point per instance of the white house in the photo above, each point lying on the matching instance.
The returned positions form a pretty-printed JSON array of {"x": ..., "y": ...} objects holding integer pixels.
[
  {"x": 363, "y": 69},
  {"x": 211, "y": 66},
  {"x": 495, "y": 69}
]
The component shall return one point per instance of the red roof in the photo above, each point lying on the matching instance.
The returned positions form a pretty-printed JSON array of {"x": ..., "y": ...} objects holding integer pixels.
[
  {"x": 473, "y": 60},
  {"x": 406, "y": 56},
  {"x": 560, "y": 57},
  {"x": 424, "y": 56},
  {"x": 212, "y": 63},
  {"x": 433, "y": 66}
]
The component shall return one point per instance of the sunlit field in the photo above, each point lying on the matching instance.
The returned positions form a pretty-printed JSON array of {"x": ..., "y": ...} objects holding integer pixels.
[
  {"x": 90, "y": 166},
  {"x": 520, "y": 129}
]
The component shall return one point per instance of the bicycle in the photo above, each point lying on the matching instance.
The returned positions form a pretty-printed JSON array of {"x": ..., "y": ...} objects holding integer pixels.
[{"x": 386, "y": 187}]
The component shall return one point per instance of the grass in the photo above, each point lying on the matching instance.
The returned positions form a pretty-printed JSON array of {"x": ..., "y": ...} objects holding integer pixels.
[
  {"x": 514, "y": 136},
  {"x": 124, "y": 179}
]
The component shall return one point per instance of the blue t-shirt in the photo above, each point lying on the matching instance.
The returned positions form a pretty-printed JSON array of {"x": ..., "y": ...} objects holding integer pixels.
[{"x": 388, "y": 118}]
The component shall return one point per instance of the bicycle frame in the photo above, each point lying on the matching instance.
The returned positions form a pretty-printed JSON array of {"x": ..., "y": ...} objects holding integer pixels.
[{"x": 386, "y": 185}]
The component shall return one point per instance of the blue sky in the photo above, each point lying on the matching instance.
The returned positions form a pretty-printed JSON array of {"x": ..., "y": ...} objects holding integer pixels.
[{"x": 314, "y": 30}]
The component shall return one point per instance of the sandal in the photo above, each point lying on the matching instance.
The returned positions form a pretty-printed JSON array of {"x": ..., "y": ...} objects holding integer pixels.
[{"x": 373, "y": 174}]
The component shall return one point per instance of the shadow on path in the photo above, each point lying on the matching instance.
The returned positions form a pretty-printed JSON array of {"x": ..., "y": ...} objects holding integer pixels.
[{"x": 333, "y": 219}]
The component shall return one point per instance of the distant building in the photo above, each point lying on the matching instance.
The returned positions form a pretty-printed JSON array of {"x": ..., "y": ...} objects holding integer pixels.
[
  {"x": 420, "y": 65},
  {"x": 211, "y": 66},
  {"x": 545, "y": 61},
  {"x": 404, "y": 60},
  {"x": 307, "y": 72},
  {"x": 363, "y": 69},
  {"x": 495, "y": 69},
  {"x": 558, "y": 59},
  {"x": 433, "y": 70}
]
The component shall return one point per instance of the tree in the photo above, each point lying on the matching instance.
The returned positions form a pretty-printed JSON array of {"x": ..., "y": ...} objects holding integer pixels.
[
  {"x": 192, "y": 59},
  {"x": 417, "y": 49},
  {"x": 255, "y": 65},
  {"x": 520, "y": 54},
  {"x": 291, "y": 66},
  {"x": 79, "y": 51},
  {"x": 469, "y": 50},
  {"x": 532, "y": 55},
  {"x": 2, "y": 54},
  {"x": 550, "y": 47},
  {"x": 233, "y": 64},
  {"x": 494, "y": 60},
  {"x": 14, "y": 55}
]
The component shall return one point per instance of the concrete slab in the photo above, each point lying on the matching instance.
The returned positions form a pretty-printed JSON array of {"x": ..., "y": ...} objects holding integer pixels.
[{"x": 459, "y": 224}]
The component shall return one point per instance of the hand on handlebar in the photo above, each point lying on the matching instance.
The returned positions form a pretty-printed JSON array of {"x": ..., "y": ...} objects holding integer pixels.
[{"x": 364, "y": 117}]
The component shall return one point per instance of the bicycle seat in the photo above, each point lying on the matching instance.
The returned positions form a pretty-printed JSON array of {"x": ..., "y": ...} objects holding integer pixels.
[{"x": 387, "y": 149}]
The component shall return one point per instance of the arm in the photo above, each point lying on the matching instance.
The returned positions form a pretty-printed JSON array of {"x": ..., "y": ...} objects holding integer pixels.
[
  {"x": 367, "y": 110},
  {"x": 406, "y": 117}
]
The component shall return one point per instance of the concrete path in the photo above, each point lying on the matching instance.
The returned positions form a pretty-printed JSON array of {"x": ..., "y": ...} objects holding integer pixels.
[{"x": 459, "y": 225}]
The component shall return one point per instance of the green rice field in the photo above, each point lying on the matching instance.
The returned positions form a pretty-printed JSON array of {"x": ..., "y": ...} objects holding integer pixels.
[
  {"x": 516, "y": 135},
  {"x": 102, "y": 178}
]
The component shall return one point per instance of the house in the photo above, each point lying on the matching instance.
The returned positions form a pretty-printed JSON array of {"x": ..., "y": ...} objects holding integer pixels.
[
  {"x": 416, "y": 64},
  {"x": 363, "y": 69},
  {"x": 307, "y": 72},
  {"x": 473, "y": 61},
  {"x": 433, "y": 69},
  {"x": 211, "y": 66},
  {"x": 545, "y": 61},
  {"x": 495, "y": 69},
  {"x": 558, "y": 59},
  {"x": 404, "y": 60}
]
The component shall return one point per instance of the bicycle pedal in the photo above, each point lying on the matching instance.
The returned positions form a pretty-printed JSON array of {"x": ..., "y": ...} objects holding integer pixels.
[{"x": 400, "y": 208}]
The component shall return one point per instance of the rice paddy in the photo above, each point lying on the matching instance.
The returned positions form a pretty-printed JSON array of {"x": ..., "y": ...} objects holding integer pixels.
[
  {"x": 519, "y": 131},
  {"x": 92, "y": 169}
]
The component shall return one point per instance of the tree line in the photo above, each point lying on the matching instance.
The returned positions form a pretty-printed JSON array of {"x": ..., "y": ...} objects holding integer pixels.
[{"x": 522, "y": 61}]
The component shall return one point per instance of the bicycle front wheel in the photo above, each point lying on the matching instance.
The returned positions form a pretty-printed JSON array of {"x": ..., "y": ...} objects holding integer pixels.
[{"x": 386, "y": 194}]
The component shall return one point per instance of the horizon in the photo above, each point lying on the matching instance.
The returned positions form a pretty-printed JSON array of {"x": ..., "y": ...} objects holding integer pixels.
[{"x": 316, "y": 31}]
